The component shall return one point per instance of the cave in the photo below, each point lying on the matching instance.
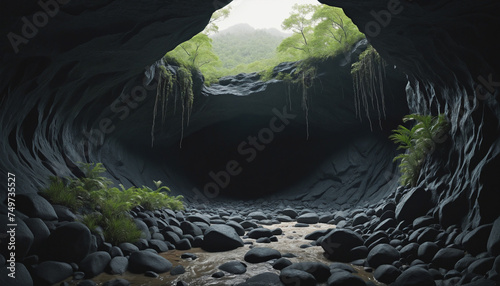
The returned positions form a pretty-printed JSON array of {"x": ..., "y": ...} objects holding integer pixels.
[{"x": 78, "y": 85}]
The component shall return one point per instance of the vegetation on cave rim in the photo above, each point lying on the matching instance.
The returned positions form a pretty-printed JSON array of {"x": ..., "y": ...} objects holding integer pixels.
[
  {"x": 367, "y": 74},
  {"x": 104, "y": 208},
  {"x": 418, "y": 141}
]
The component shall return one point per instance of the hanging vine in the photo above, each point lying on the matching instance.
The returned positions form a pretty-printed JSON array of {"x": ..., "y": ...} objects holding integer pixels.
[
  {"x": 178, "y": 85},
  {"x": 367, "y": 74}
]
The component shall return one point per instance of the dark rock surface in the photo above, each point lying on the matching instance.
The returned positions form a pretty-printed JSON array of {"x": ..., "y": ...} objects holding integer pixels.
[
  {"x": 261, "y": 254},
  {"x": 221, "y": 238},
  {"x": 143, "y": 261}
]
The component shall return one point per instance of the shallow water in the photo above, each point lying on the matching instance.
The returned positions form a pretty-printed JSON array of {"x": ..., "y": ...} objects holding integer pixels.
[{"x": 199, "y": 271}]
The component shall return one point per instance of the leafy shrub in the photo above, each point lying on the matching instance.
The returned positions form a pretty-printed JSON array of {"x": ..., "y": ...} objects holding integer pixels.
[
  {"x": 108, "y": 207},
  {"x": 419, "y": 141}
]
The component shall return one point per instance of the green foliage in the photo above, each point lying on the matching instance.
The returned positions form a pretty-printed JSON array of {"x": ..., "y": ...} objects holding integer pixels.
[
  {"x": 418, "y": 141},
  {"x": 367, "y": 74},
  {"x": 107, "y": 207}
]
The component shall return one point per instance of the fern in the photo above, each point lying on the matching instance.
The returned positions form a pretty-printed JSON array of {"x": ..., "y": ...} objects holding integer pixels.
[{"x": 419, "y": 141}]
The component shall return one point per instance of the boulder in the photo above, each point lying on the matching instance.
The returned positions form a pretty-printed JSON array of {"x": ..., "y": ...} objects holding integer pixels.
[
  {"x": 142, "y": 261},
  {"x": 309, "y": 218},
  {"x": 414, "y": 204},
  {"x": 118, "y": 265},
  {"x": 94, "y": 263},
  {"x": 476, "y": 240},
  {"x": 415, "y": 276},
  {"x": 493, "y": 244},
  {"x": 22, "y": 276},
  {"x": 221, "y": 237},
  {"x": 234, "y": 267},
  {"x": 259, "y": 232},
  {"x": 261, "y": 254},
  {"x": 69, "y": 243},
  {"x": 51, "y": 272},
  {"x": 344, "y": 278},
  {"x": 447, "y": 258},
  {"x": 382, "y": 254},
  {"x": 297, "y": 277},
  {"x": 339, "y": 242},
  {"x": 386, "y": 273},
  {"x": 319, "y": 270},
  {"x": 34, "y": 205}
]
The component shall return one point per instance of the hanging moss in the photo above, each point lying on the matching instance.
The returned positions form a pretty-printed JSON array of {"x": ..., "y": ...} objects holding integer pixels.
[
  {"x": 367, "y": 74},
  {"x": 179, "y": 86}
]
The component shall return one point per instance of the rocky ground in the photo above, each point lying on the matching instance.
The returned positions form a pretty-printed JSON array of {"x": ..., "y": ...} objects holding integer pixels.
[{"x": 397, "y": 241}]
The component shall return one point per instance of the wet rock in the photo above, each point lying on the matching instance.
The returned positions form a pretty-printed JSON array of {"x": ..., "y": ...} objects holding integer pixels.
[
  {"x": 183, "y": 244},
  {"x": 94, "y": 263},
  {"x": 34, "y": 205},
  {"x": 414, "y": 276},
  {"x": 344, "y": 278},
  {"x": 301, "y": 224},
  {"x": 309, "y": 218},
  {"x": 422, "y": 221},
  {"x": 319, "y": 270},
  {"x": 281, "y": 263},
  {"x": 63, "y": 213},
  {"x": 260, "y": 232},
  {"x": 190, "y": 228},
  {"x": 339, "y": 242},
  {"x": 410, "y": 251},
  {"x": 297, "y": 277},
  {"x": 382, "y": 254},
  {"x": 234, "y": 267},
  {"x": 493, "y": 244},
  {"x": 414, "y": 204},
  {"x": 427, "y": 250},
  {"x": 360, "y": 218},
  {"x": 277, "y": 231},
  {"x": 128, "y": 248},
  {"x": 237, "y": 227},
  {"x": 290, "y": 213},
  {"x": 257, "y": 215},
  {"x": 23, "y": 277},
  {"x": 51, "y": 272},
  {"x": 221, "y": 238},
  {"x": 117, "y": 282},
  {"x": 151, "y": 274},
  {"x": 317, "y": 234},
  {"x": 197, "y": 218},
  {"x": 177, "y": 270},
  {"x": 263, "y": 240},
  {"x": 447, "y": 257},
  {"x": 476, "y": 240},
  {"x": 337, "y": 266},
  {"x": 263, "y": 279},
  {"x": 481, "y": 266},
  {"x": 261, "y": 254},
  {"x": 386, "y": 273},
  {"x": 158, "y": 245},
  {"x": 284, "y": 218},
  {"x": 115, "y": 251},
  {"x": 69, "y": 243},
  {"x": 218, "y": 274},
  {"x": 118, "y": 265},
  {"x": 188, "y": 255},
  {"x": 142, "y": 261}
]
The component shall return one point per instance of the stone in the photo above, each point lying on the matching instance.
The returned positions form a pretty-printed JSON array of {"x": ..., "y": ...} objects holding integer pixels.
[
  {"x": 344, "y": 278},
  {"x": 382, "y": 254},
  {"x": 493, "y": 244},
  {"x": 197, "y": 218},
  {"x": 51, "y": 272},
  {"x": 360, "y": 218},
  {"x": 218, "y": 274},
  {"x": 414, "y": 276},
  {"x": 221, "y": 238},
  {"x": 338, "y": 243},
  {"x": 142, "y": 261},
  {"x": 309, "y": 218},
  {"x": 237, "y": 227},
  {"x": 69, "y": 243},
  {"x": 290, "y": 213},
  {"x": 261, "y": 254},
  {"x": 158, "y": 245},
  {"x": 177, "y": 270},
  {"x": 447, "y": 257},
  {"x": 183, "y": 244},
  {"x": 257, "y": 215},
  {"x": 427, "y": 250},
  {"x": 23, "y": 277},
  {"x": 297, "y": 277},
  {"x": 259, "y": 232},
  {"x": 234, "y": 267},
  {"x": 190, "y": 228},
  {"x": 117, "y": 282},
  {"x": 281, "y": 263},
  {"x": 34, "y": 205},
  {"x": 410, "y": 250},
  {"x": 414, "y": 204},
  {"x": 23, "y": 236},
  {"x": 262, "y": 279},
  {"x": 94, "y": 263},
  {"x": 128, "y": 248},
  {"x": 317, "y": 234},
  {"x": 319, "y": 270},
  {"x": 64, "y": 213},
  {"x": 481, "y": 266},
  {"x": 118, "y": 265},
  {"x": 386, "y": 273},
  {"x": 475, "y": 241}
]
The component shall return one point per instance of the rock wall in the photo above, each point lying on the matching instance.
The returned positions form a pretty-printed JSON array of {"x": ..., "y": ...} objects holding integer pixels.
[
  {"x": 73, "y": 89},
  {"x": 446, "y": 50}
]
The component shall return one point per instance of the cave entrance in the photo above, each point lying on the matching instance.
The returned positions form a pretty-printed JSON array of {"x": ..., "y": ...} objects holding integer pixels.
[{"x": 259, "y": 122}]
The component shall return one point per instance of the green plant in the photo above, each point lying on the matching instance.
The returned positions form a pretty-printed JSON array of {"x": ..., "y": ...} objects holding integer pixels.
[
  {"x": 418, "y": 141},
  {"x": 59, "y": 193},
  {"x": 367, "y": 75}
]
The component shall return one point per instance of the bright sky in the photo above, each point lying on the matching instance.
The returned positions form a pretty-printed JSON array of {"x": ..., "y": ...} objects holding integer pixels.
[{"x": 260, "y": 13}]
